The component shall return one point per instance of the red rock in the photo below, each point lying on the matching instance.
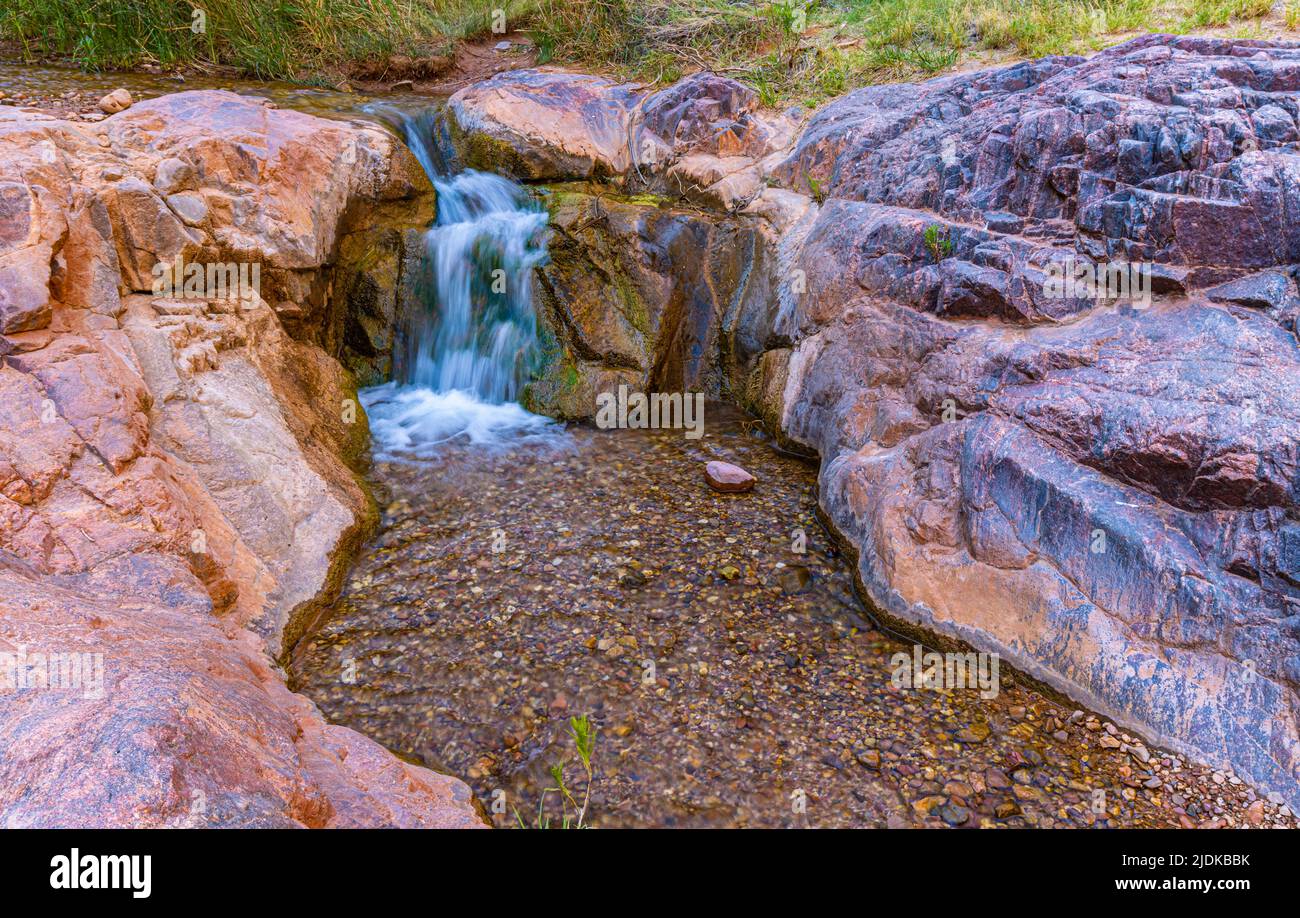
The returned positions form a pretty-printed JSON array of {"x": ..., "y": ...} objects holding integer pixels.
[
  {"x": 191, "y": 727},
  {"x": 174, "y": 482},
  {"x": 116, "y": 101},
  {"x": 723, "y": 476}
]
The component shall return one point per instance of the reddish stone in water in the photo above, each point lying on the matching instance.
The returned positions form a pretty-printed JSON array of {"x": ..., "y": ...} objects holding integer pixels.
[{"x": 723, "y": 476}]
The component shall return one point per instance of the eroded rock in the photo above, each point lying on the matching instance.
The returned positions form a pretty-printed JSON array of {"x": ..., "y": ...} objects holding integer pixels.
[
  {"x": 702, "y": 138},
  {"x": 175, "y": 488}
]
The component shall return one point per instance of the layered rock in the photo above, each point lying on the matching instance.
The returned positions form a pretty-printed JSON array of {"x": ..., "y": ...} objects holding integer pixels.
[
  {"x": 1103, "y": 492},
  {"x": 175, "y": 486},
  {"x": 640, "y": 292},
  {"x": 702, "y": 138}
]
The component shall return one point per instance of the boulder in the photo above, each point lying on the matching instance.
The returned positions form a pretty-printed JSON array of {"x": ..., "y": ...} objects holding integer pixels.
[
  {"x": 1104, "y": 495},
  {"x": 640, "y": 292},
  {"x": 701, "y": 138},
  {"x": 176, "y": 484},
  {"x": 544, "y": 124},
  {"x": 118, "y": 100},
  {"x": 1267, "y": 290}
]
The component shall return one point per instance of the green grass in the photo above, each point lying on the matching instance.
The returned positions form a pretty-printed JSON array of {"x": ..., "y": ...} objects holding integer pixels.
[
  {"x": 307, "y": 40},
  {"x": 1215, "y": 13},
  {"x": 789, "y": 50}
]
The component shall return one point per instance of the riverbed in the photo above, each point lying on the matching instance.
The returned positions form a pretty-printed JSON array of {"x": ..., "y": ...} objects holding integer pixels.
[{"x": 714, "y": 640}]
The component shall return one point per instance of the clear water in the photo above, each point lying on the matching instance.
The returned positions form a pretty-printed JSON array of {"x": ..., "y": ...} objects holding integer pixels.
[{"x": 463, "y": 359}]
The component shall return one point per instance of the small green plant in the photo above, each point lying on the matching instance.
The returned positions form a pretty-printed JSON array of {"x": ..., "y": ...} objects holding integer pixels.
[
  {"x": 815, "y": 188},
  {"x": 937, "y": 242},
  {"x": 573, "y": 815},
  {"x": 791, "y": 17}
]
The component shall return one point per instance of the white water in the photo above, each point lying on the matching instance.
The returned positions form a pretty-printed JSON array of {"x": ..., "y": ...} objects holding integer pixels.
[{"x": 462, "y": 360}]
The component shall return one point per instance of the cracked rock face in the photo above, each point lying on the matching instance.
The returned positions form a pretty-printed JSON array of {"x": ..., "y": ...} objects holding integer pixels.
[
  {"x": 174, "y": 489},
  {"x": 1104, "y": 492}
]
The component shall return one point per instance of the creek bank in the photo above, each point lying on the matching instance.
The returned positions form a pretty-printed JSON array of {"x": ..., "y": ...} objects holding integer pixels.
[
  {"x": 890, "y": 313},
  {"x": 178, "y": 484}
]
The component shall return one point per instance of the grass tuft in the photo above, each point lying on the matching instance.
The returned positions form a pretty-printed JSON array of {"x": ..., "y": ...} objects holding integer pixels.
[{"x": 304, "y": 40}]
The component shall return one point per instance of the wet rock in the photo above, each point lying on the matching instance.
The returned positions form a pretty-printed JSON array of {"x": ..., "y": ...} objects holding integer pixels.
[
  {"x": 1255, "y": 813},
  {"x": 794, "y": 579},
  {"x": 926, "y": 805},
  {"x": 958, "y": 789},
  {"x": 728, "y": 478},
  {"x": 630, "y": 577},
  {"x": 868, "y": 758},
  {"x": 954, "y": 815},
  {"x": 650, "y": 318}
]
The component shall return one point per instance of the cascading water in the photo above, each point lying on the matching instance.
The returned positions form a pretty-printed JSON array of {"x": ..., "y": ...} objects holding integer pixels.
[{"x": 463, "y": 359}]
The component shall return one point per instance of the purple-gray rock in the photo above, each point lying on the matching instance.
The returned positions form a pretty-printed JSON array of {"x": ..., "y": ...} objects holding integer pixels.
[
  {"x": 1266, "y": 290},
  {"x": 1099, "y": 483}
]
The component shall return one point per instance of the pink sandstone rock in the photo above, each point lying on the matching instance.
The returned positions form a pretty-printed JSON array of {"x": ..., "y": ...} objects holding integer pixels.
[
  {"x": 723, "y": 476},
  {"x": 175, "y": 491}
]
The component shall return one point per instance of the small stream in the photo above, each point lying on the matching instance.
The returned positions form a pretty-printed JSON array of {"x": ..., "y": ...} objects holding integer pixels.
[{"x": 527, "y": 573}]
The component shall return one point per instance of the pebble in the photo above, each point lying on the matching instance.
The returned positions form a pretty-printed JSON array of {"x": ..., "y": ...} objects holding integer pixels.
[
  {"x": 868, "y": 758},
  {"x": 954, "y": 815},
  {"x": 119, "y": 100},
  {"x": 1255, "y": 813}
]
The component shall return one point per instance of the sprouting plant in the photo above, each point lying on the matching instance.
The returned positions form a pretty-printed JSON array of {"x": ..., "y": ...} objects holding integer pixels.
[
  {"x": 937, "y": 241},
  {"x": 584, "y": 740},
  {"x": 815, "y": 189}
]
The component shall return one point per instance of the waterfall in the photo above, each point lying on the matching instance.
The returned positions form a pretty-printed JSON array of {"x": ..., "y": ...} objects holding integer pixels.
[{"x": 462, "y": 358}]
